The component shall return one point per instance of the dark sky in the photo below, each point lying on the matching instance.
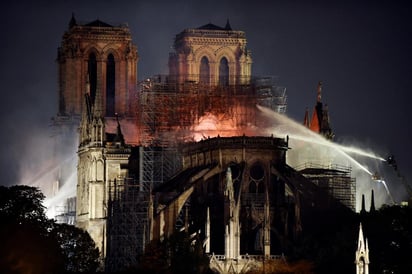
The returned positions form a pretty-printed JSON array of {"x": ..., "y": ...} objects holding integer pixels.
[{"x": 361, "y": 50}]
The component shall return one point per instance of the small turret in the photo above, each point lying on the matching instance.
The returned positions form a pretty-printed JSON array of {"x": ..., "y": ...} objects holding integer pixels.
[
  {"x": 119, "y": 138},
  {"x": 228, "y": 27},
  {"x": 372, "y": 209},
  {"x": 320, "y": 122},
  {"x": 319, "y": 91},
  {"x": 306, "y": 122},
  {"x": 362, "y": 254},
  {"x": 363, "y": 210},
  {"x": 72, "y": 22}
]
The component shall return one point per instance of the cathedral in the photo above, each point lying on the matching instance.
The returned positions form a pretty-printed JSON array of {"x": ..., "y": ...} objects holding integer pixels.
[{"x": 182, "y": 151}]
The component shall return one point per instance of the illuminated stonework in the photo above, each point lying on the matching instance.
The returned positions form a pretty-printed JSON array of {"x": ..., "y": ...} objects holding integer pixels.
[
  {"x": 106, "y": 55},
  {"x": 211, "y": 55},
  {"x": 362, "y": 254}
]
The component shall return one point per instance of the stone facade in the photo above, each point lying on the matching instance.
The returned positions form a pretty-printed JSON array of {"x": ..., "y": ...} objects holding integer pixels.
[
  {"x": 102, "y": 158},
  {"x": 240, "y": 181},
  {"x": 362, "y": 254},
  {"x": 211, "y": 55},
  {"x": 106, "y": 55},
  {"x": 97, "y": 68}
]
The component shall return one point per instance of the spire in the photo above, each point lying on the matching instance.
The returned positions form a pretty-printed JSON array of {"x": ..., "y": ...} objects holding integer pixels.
[
  {"x": 98, "y": 104},
  {"x": 88, "y": 109},
  {"x": 306, "y": 122},
  {"x": 361, "y": 241},
  {"x": 119, "y": 135},
  {"x": 372, "y": 209},
  {"x": 314, "y": 123},
  {"x": 362, "y": 254},
  {"x": 325, "y": 124},
  {"x": 319, "y": 91},
  {"x": 363, "y": 210},
  {"x": 228, "y": 27},
  {"x": 86, "y": 116},
  {"x": 72, "y": 22}
]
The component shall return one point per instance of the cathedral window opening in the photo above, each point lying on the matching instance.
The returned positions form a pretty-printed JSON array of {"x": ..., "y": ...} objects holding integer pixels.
[
  {"x": 224, "y": 72},
  {"x": 256, "y": 181},
  {"x": 92, "y": 69},
  {"x": 204, "y": 72},
  {"x": 110, "y": 86},
  {"x": 257, "y": 172}
]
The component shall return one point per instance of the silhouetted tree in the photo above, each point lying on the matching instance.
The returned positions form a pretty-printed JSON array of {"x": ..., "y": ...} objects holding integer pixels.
[
  {"x": 31, "y": 243},
  {"x": 22, "y": 204},
  {"x": 79, "y": 250},
  {"x": 26, "y": 243},
  {"x": 389, "y": 234}
]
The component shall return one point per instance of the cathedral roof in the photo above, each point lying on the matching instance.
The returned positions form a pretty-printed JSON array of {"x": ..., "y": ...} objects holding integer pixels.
[
  {"x": 211, "y": 26},
  {"x": 98, "y": 23}
]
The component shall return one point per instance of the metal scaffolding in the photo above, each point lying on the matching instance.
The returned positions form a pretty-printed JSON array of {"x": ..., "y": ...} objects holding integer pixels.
[
  {"x": 126, "y": 224},
  {"x": 335, "y": 179},
  {"x": 168, "y": 113}
]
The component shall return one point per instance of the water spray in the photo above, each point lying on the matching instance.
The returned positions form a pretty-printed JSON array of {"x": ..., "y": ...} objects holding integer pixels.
[
  {"x": 302, "y": 133},
  {"x": 340, "y": 149},
  {"x": 377, "y": 178},
  {"x": 391, "y": 162}
]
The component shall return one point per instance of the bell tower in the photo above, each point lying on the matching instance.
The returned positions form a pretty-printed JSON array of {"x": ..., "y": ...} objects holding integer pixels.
[
  {"x": 96, "y": 58},
  {"x": 211, "y": 56},
  {"x": 106, "y": 55}
]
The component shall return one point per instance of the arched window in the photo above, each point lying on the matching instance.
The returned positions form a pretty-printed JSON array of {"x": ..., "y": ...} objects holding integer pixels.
[
  {"x": 223, "y": 72},
  {"x": 110, "y": 85},
  {"x": 257, "y": 172},
  {"x": 257, "y": 175},
  {"x": 92, "y": 70},
  {"x": 204, "y": 72}
]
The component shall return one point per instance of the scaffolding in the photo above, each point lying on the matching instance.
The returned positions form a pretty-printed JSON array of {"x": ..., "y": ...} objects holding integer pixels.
[
  {"x": 126, "y": 224},
  {"x": 168, "y": 114},
  {"x": 66, "y": 214},
  {"x": 171, "y": 111},
  {"x": 335, "y": 179}
]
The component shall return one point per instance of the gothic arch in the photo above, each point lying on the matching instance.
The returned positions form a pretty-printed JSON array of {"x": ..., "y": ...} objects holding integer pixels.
[
  {"x": 110, "y": 85},
  {"x": 257, "y": 171},
  {"x": 91, "y": 70},
  {"x": 204, "y": 71},
  {"x": 224, "y": 72},
  {"x": 256, "y": 178},
  {"x": 92, "y": 48},
  {"x": 227, "y": 53},
  {"x": 204, "y": 51},
  {"x": 108, "y": 49}
]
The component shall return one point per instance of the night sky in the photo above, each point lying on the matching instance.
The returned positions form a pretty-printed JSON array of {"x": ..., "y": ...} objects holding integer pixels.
[{"x": 361, "y": 50}]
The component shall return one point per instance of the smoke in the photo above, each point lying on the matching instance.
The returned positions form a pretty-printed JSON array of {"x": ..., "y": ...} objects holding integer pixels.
[
  {"x": 49, "y": 163},
  {"x": 306, "y": 147}
]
